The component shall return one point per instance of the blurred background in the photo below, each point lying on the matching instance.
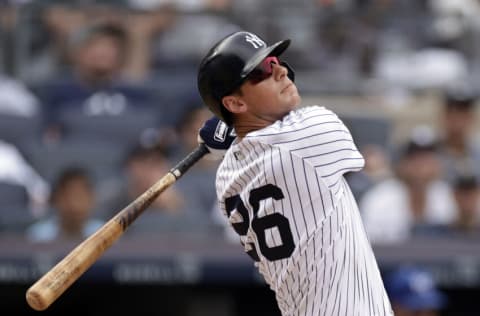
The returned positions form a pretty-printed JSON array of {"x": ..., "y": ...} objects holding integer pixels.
[{"x": 98, "y": 100}]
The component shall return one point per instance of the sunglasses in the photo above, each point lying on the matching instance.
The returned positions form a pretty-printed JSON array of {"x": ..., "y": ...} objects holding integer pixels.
[{"x": 263, "y": 71}]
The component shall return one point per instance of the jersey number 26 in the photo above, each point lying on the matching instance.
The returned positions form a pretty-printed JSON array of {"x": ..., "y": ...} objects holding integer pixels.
[{"x": 260, "y": 225}]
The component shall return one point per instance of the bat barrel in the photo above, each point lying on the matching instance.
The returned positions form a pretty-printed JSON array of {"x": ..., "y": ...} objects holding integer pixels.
[
  {"x": 51, "y": 285},
  {"x": 48, "y": 288}
]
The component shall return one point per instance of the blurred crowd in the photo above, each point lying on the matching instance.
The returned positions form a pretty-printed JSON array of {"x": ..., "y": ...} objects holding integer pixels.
[{"x": 98, "y": 100}]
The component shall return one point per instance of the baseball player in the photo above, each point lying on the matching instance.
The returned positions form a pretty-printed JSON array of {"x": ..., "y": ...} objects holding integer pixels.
[{"x": 281, "y": 183}]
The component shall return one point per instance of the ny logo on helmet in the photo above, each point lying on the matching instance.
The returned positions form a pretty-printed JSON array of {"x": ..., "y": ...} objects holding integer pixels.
[{"x": 254, "y": 40}]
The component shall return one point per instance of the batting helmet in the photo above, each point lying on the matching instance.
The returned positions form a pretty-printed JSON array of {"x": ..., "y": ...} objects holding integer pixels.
[{"x": 227, "y": 65}]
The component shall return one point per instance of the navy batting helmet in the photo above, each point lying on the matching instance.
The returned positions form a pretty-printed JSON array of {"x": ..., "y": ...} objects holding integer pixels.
[{"x": 227, "y": 65}]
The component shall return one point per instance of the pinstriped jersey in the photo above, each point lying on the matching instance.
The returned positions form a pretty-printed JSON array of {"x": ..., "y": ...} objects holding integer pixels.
[{"x": 283, "y": 191}]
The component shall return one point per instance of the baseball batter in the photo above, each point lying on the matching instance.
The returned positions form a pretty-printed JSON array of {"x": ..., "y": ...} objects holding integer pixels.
[{"x": 281, "y": 183}]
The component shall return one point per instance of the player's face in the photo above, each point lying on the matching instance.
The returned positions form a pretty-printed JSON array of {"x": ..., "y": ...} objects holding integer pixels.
[{"x": 268, "y": 92}]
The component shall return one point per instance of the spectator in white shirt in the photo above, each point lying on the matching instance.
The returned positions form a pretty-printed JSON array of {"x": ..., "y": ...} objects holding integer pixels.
[
  {"x": 415, "y": 200},
  {"x": 15, "y": 169},
  {"x": 17, "y": 99}
]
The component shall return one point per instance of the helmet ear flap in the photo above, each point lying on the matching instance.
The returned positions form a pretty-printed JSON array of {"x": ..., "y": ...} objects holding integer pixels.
[{"x": 291, "y": 73}]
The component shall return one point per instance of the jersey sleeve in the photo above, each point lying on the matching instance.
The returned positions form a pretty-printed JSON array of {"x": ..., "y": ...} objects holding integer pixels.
[{"x": 318, "y": 137}]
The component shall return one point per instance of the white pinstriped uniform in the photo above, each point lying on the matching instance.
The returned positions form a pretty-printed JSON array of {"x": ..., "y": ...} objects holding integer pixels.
[{"x": 282, "y": 189}]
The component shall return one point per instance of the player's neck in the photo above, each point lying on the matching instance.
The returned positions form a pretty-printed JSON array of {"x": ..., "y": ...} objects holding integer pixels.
[
  {"x": 245, "y": 126},
  {"x": 243, "y": 129}
]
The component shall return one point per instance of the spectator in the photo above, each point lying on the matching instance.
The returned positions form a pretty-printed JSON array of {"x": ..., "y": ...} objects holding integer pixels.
[
  {"x": 47, "y": 32},
  {"x": 377, "y": 168},
  {"x": 144, "y": 165},
  {"x": 21, "y": 116},
  {"x": 414, "y": 200},
  {"x": 199, "y": 188},
  {"x": 186, "y": 130},
  {"x": 413, "y": 292},
  {"x": 176, "y": 47},
  {"x": 95, "y": 82},
  {"x": 49, "y": 48},
  {"x": 459, "y": 150},
  {"x": 97, "y": 53},
  {"x": 16, "y": 170},
  {"x": 454, "y": 24},
  {"x": 146, "y": 23},
  {"x": 47, "y": 45},
  {"x": 16, "y": 98},
  {"x": 72, "y": 202},
  {"x": 169, "y": 212},
  {"x": 467, "y": 195}
]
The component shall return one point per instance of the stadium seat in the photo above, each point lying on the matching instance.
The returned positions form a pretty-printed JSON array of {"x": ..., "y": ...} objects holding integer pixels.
[
  {"x": 99, "y": 157},
  {"x": 16, "y": 129},
  {"x": 124, "y": 127},
  {"x": 369, "y": 130},
  {"x": 15, "y": 213}
]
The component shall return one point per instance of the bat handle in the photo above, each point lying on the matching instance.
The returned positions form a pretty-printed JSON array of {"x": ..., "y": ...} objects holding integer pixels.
[{"x": 180, "y": 168}]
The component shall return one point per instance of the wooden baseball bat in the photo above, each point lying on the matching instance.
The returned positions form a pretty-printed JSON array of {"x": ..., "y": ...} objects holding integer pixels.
[{"x": 60, "y": 277}]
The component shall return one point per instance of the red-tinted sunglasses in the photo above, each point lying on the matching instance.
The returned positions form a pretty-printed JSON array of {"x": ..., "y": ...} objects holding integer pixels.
[{"x": 264, "y": 70}]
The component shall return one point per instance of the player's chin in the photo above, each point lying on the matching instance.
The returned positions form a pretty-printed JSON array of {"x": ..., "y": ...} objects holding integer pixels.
[
  {"x": 292, "y": 94},
  {"x": 293, "y": 99}
]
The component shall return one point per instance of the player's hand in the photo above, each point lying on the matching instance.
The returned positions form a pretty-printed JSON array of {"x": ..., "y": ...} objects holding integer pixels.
[{"x": 217, "y": 137}]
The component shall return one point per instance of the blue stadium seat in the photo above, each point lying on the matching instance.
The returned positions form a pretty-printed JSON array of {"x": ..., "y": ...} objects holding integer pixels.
[
  {"x": 369, "y": 130},
  {"x": 124, "y": 127},
  {"x": 16, "y": 129},
  {"x": 15, "y": 213},
  {"x": 100, "y": 158}
]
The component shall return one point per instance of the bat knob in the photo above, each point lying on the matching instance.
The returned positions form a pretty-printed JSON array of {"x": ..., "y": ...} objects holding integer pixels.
[{"x": 35, "y": 300}]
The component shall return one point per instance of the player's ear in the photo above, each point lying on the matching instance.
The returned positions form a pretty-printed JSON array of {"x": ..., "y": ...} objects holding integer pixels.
[{"x": 234, "y": 104}]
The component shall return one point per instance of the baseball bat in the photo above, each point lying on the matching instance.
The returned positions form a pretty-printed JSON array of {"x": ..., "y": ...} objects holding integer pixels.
[{"x": 60, "y": 277}]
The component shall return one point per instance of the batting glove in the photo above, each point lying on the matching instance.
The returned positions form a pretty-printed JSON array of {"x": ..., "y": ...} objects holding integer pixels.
[{"x": 217, "y": 137}]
